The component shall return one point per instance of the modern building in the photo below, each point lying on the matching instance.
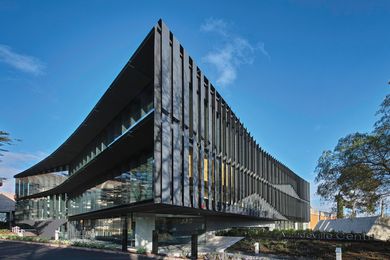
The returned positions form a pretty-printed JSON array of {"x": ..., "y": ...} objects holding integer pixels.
[
  {"x": 7, "y": 209},
  {"x": 163, "y": 151}
]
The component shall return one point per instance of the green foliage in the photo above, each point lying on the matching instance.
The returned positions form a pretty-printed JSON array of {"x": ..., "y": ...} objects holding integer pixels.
[
  {"x": 12, "y": 236},
  {"x": 89, "y": 245},
  {"x": 141, "y": 250},
  {"x": 6, "y": 234},
  {"x": 4, "y": 139},
  {"x": 311, "y": 249},
  {"x": 357, "y": 172}
]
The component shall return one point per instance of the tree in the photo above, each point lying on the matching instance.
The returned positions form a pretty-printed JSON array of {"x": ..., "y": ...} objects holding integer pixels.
[
  {"x": 359, "y": 187},
  {"x": 357, "y": 172},
  {"x": 4, "y": 139}
]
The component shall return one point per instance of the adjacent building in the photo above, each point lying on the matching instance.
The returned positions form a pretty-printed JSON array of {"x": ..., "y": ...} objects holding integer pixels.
[
  {"x": 318, "y": 215},
  {"x": 7, "y": 209},
  {"x": 375, "y": 227},
  {"x": 161, "y": 150}
]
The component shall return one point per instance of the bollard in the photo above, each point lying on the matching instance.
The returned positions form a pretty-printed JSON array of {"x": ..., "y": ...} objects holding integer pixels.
[
  {"x": 338, "y": 253},
  {"x": 155, "y": 242},
  {"x": 56, "y": 235},
  {"x": 21, "y": 233},
  {"x": 17, "y": 229},
  {"x": 194, "y": 246},
  {"x": 257, "y": 247}
]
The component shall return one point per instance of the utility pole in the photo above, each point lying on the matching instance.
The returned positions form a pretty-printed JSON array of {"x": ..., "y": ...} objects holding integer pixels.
[
  {"x": 383, "y": 196},
  {"x": 382, "y": 208}
]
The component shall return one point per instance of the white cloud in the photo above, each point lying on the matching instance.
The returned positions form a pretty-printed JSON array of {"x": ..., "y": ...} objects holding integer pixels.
[
  {"x": 21, "y": 62},
  {"x": 214, "y": 25},
  {"x": 12, "y": 163},
  {"x": 231, "y": 52}
]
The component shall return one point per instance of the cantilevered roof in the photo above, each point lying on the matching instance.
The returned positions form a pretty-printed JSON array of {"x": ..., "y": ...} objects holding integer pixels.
[
  {"x": 130, "y": 81},
  {"x": 140, "y": 136}
]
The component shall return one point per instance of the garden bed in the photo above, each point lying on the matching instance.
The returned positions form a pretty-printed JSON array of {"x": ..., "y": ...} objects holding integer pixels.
[
  {"x": 8, "y": 235},
  {"x": 271, "y": 242}
]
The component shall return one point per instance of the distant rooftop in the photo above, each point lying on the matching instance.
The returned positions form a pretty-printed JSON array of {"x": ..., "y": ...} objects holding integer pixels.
[{"x": 7, "y": 202}]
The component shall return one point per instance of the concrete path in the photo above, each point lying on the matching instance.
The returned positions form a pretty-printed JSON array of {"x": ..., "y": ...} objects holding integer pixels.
[
  {"x": 216, "y": 244},
  {"x": 12, "y": 250}
]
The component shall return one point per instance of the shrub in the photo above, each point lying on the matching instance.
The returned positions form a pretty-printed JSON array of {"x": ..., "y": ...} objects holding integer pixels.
[
  {"x": 5, "y": 231},
  {"x": 30, "y": 239},
  {"x": 77, "y": 243},
  {"x": 88, "y": 244},
  {"x": 141, "y": 250}
]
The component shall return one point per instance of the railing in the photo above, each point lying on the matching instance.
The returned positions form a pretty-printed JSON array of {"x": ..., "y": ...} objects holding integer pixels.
[{"x": 18, "y": 231}]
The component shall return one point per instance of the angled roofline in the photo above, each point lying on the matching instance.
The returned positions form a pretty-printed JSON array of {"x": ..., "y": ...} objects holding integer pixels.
[{"x": 69, "y": 149}]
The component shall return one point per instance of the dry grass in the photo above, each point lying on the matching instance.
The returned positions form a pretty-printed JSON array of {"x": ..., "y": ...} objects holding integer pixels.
[{"x": 316, "y": 249}]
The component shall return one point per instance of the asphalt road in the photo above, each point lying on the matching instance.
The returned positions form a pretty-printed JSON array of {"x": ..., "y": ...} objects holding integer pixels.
[{"x": 15, "y": 250}]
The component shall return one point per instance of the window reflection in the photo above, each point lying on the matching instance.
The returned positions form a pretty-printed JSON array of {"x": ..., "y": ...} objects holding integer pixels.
[
  {"x": 30, "y": 185},
  {"x": 131, "y": 185},
  {"x": 50, "y": 207},
  {"x": 139, "y": 107}
]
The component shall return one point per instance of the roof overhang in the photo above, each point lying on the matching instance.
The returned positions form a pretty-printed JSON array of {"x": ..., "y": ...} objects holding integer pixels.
[
  {"x": 141, "y": 137},
  {"x": 137, "y": 73}
]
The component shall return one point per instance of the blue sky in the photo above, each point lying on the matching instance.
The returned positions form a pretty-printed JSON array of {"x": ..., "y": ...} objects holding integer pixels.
[{"x": 299, "y": 74}]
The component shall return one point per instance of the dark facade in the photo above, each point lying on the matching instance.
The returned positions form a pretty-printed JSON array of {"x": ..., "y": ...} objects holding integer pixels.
[
  {"x": 196, "y": 132},
  {"x": 161, "y": 142}
]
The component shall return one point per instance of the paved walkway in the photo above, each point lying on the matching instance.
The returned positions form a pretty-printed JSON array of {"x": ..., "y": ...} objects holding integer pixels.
[
  {"x": 216, "y": 244},
  {"x": 11, "y": 250}
]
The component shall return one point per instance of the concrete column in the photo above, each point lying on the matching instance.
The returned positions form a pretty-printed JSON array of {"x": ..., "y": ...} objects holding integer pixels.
[
  {"x": 124, "y": 233},
  {"x": 194, "y": 246},
  {"x": 144, "y": 226}
]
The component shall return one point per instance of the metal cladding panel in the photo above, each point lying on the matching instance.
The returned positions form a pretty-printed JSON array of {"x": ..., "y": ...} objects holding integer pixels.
[
  {"x": 186, "y": 89},
  {"x": 166, "y": 187},
  {"x": 166, "y": 63},
  {"x": 201, "y": 91},
  {"x": 157, "y": 117},
  {"x": 195, "y": 156},
  {"x": 177, "y": 67},
  {"x": 195, "y": 100},
  {"x": 177, "y": 82},
  {"x": 177, "y": 165},
  {"x": 223, "y": 161},
  {"x": 209, "y": 145},
  {"x": 209, "y": 172},
  {"x": 186, "y": 141},
  {"x": 166, "y": 96},
  {"x": 202, "y": 97}
]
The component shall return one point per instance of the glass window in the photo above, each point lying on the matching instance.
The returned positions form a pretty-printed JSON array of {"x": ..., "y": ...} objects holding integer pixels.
[
  {"x": 30, "y": 185},
  {"x": 131, "y": 184}
]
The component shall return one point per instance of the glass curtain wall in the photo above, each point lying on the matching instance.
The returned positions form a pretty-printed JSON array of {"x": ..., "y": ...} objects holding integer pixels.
[
  {"x": 178, "y": 230},
  {"x": 133, "y": 183},
  {"x": 30, "y": 185},
  {"x": 108, "y": 230},
  {"x": 50, "y": 207},
  {"x": 138, "y": 108}
]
